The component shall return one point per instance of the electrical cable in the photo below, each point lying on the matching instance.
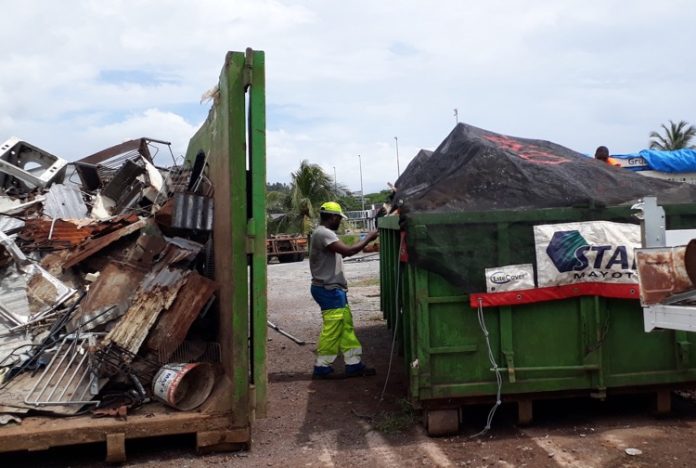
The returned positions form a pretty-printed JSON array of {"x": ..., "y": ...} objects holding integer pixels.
[{"x": 498, "y": 376}]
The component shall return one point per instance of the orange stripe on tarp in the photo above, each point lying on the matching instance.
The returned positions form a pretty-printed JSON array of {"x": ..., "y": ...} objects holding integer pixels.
[{"x": 554, "y": 293}]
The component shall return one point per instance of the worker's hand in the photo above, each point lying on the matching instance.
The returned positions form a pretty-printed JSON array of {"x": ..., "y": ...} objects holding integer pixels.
[{"x": 372, "y": 235}]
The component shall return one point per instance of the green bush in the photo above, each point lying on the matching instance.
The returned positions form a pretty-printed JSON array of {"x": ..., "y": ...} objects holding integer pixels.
[{"x": 349, "y": 239}]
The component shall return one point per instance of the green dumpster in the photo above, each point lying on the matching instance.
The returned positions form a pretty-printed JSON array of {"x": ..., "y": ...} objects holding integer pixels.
[{"x": 586, "y": 345}]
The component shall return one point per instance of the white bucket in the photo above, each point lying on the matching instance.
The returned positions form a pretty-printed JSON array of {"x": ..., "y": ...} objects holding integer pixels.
[{"x": 184, "y": 386}]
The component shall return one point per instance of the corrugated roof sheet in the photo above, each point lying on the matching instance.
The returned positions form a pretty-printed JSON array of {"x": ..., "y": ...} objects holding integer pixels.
[
  {"x": 65, "y": 201},
  {"x": 193, "y": 212},
  {"x": 61, "y": 233}
]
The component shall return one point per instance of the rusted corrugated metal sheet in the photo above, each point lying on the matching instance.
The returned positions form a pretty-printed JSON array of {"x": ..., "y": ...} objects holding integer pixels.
[
  {"x": 58, "y": 233},
  {"x": 157, "y": 292},
  {"x": 115, "y": 286},
  {"x": 139, "y": 145},
  {"x": 53, "y": 233},
  {"x": 174, "y": 323},
  {"x": 93, "y": 246},
  {"x": 120, "y": 278},
  {"x": 193, "y": 212},
  {"x": 65, "y": 202},
  {"x": 662, "y": 273}
]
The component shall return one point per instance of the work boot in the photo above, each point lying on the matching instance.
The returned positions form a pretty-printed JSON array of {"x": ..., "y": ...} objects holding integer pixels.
[
  {"x": 323, "y": 372},
  {"x": 359, "y": 370}
]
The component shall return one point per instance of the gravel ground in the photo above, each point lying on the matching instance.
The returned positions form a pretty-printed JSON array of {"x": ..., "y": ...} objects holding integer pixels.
[{"x": 344, "y": 423}]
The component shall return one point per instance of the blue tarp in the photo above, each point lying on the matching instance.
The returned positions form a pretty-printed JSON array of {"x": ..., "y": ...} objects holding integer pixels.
[{"x": 683, "y": 160}]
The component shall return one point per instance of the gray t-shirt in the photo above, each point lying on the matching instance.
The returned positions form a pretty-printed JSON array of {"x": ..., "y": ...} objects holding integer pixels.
[{"x": 326, "y": 266}]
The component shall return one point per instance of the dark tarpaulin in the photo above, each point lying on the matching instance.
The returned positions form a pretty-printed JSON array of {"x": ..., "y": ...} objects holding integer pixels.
[
  {"x": 412, "y": 173},
  {"x": 475, "y": 170},
  {"x": 478, "y": 170}
]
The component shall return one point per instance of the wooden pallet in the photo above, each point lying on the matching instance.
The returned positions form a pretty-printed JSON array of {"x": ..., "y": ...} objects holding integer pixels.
[{"x": 213, "y": 431}]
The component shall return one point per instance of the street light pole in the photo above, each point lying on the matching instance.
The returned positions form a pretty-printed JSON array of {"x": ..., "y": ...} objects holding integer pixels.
[
  {"x": 362, "y": 193},
  {"x": 398, "y": 170},
  {"x": 456, "y": 116}
]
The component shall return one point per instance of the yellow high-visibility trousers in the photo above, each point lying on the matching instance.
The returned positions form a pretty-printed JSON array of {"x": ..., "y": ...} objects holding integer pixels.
[{"x": 338, "y": 336}]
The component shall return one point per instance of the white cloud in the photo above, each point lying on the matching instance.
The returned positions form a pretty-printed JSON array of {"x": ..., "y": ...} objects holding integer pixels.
[
  {"x": 152, "y": 123},
  {"x": 344, "y": 78}
]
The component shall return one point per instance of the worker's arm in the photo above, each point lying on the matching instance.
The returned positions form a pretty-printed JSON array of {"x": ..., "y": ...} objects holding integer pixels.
[{"x": 349, "y": 250}]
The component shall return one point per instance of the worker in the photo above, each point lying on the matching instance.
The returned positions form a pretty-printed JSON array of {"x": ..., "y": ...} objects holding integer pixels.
[
  {"x": 602, "y": 154},
  {"x": 329, "y": 289}
]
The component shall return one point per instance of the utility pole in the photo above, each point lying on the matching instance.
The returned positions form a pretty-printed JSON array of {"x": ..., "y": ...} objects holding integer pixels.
[
  {"x": 456, "y": 116},
  {"x": 335, "y": 182},
  {"x": 362, "y": 193},
  {"x": 398, "y": 170}
]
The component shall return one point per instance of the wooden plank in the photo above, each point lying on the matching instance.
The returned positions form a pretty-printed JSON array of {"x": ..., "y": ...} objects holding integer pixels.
[
  {"x": 174, "y": 323},
  {"x": 116, "y": 447},
  {"x": 37, "y": 433},
  {"x": 663, "y": 402},
  {"x": 219, "y": 441},
  {"x": 525, "y": 412}
]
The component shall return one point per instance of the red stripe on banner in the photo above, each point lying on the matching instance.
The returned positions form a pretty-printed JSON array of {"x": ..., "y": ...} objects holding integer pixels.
[{"x": 553, "y": 293}]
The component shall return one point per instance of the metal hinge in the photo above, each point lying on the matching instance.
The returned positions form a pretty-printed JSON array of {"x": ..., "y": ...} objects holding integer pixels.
[{"x": 250, "y": 236}]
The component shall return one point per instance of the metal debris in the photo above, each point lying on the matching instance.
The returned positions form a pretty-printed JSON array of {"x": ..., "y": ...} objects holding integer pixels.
[
  {"x": 17, "y": 155},
  {"x": 68, "y": 379},
  {"x": 10, "y": 224},
  {"x": 108, "y": 232},
  {"x": 65, "y": 202},
  {"x": 192, "y": 212}
]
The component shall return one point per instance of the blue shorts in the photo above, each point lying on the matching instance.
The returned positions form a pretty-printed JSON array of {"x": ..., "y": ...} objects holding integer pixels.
[{"x": 329, "y": 298}]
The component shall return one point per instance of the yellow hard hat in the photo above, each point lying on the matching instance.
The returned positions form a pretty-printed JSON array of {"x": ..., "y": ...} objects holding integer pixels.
[{"x": 333, "y": 208}]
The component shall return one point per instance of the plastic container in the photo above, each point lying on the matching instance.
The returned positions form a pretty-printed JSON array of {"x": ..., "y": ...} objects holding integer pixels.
[{"x": 184, "y": 386}]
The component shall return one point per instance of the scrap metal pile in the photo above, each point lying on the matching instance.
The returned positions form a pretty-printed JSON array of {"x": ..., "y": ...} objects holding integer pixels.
[{"x": 105, "y": 281}]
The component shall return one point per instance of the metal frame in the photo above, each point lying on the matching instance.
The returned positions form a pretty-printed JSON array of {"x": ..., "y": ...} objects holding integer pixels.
[{"x": 15, "y": 154}]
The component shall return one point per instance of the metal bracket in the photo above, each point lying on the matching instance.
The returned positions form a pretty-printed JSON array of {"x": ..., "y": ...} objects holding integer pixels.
[
  {"x": 670, "y": 317},
  {"x": 510, "y": 361},
  {"x": 652, "y": 226}
]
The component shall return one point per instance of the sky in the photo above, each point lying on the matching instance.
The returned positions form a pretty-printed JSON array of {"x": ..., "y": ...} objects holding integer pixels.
[{"x": 345, "y": 78}]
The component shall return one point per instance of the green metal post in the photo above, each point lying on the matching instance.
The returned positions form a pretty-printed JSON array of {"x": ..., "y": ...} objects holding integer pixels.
[
  {"x": 239, "y": 228},
  {"x": 257, "y": 223}
]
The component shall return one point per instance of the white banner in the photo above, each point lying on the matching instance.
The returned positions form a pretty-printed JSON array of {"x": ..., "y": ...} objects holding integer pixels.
[
  {"x": 596, "y": 251},
  {"x": 510, "y": 278}
]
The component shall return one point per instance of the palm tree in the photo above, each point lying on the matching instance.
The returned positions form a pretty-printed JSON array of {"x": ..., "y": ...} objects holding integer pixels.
[
  {"x": 310, "y": 186},
  {"x": 677, "y": 136}
]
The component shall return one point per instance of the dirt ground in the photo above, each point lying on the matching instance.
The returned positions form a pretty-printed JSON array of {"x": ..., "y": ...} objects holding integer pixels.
[{"x": 343, "y": 423}]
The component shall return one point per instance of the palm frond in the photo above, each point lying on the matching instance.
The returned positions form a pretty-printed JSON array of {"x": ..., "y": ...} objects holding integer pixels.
[{"x": 677, "y": 136}]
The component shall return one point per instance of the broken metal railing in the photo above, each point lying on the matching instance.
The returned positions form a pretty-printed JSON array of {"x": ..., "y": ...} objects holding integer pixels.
[{"x": 74, "y": 359}]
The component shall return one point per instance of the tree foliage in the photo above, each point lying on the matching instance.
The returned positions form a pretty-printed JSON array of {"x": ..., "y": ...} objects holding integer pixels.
[
  {"x": 297, "y": 209},
  {"x": 676, "y": 136},
  {"x": 294, "y": 208}
]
